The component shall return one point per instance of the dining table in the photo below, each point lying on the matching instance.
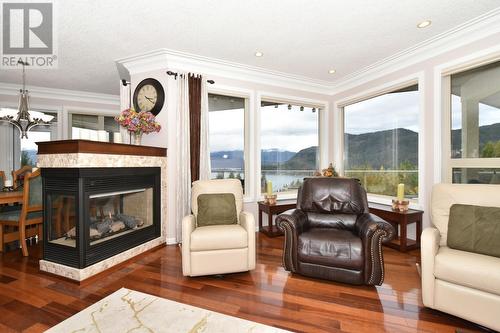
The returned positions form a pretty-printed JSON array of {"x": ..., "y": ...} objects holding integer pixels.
[{"x": 8, "y": 197}]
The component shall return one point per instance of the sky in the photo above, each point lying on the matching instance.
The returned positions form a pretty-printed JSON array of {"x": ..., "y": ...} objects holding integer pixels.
[
  {"x": 294, "y": 130},
  {"x": 384, "y": 112},
  {"x": 281, "y": 128},
  {"x": 378, "y": 113}
]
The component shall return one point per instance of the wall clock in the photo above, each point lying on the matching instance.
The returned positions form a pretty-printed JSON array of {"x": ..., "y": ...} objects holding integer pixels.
[{"x": 149, "y": 96}]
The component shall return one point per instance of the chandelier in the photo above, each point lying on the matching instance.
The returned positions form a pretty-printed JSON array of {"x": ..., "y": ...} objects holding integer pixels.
[{"x": 24, "y": 119}]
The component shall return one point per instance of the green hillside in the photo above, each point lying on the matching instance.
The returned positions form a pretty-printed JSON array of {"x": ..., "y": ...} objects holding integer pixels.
[
  {"x": 377, "y": 150},
  {"x": 305, "y": 159}
]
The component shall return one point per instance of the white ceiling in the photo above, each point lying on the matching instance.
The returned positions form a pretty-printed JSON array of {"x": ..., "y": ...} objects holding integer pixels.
[{"x": 300, "y": 37}]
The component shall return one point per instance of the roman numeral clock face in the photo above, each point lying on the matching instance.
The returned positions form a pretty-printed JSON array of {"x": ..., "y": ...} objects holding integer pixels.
[
  {"x": 149, "y": 96},
  {"x": 146, "y": 98}
]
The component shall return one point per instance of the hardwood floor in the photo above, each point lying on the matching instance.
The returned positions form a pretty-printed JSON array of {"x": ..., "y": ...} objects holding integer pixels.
[{"x": 32, "y": 302}]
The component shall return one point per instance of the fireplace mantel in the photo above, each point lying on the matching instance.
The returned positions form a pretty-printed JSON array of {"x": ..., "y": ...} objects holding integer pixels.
[
  {"x": 95, "y": 147},
  {"x": 90, "y": 154}
]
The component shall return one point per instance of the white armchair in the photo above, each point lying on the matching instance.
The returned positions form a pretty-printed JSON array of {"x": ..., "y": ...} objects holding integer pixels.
[
  {"x": 461, "y": 283},
  {"x": 218, "y": 249}
]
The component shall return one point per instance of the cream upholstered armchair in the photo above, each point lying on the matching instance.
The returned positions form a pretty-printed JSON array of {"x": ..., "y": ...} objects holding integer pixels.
[
  {"x": 218, "y": 249},
  {"x": 461, "y": 283}
]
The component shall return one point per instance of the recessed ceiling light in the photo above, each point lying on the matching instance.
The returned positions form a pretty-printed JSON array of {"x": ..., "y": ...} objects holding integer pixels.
[
  {"x": 424, "y": 24},
  {"x": 259, "y": 54},
  {"x": 332, "y": 71}
]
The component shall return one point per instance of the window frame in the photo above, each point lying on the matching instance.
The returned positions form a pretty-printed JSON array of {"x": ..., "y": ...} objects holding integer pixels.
[
  {"x": 444, "y": 73},
  {"x": 248, "y": 95},
  {"x": 378, "y": 90},
  {"x": 323, "y": 140},
  {"x": 69, "y": 111}
]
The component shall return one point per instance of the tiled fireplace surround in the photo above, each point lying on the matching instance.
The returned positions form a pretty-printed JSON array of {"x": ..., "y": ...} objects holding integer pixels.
[{"x": 87, "y": 154}]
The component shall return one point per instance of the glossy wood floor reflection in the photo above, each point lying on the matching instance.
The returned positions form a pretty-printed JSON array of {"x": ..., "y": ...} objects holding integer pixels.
[{"x": 32, "y": 302}]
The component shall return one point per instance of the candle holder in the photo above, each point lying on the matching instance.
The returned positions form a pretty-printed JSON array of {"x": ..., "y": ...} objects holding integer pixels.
[
  {"x": 400, "y": 205},
  {"x": 270, "y": 199}
]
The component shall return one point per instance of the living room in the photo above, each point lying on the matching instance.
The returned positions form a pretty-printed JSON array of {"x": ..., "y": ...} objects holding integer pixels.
[{"x": 234, "y": 166}]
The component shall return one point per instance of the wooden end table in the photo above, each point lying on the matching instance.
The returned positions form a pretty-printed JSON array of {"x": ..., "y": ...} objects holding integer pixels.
[
  {"x": 402, "y": 219},
  {"x": 272, "y": 230}
]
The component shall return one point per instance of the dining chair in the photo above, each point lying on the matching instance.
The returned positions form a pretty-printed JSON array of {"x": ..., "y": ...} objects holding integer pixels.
[
  {"x": 2, "y": 184},
  {"x": 25, "y": 220},
  {"x": 18, "y": 175}
]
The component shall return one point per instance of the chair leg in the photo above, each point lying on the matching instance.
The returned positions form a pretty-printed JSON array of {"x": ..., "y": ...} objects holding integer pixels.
[
  {"x": 40, "y": 232},
  {"x": 22, "y": 240}
]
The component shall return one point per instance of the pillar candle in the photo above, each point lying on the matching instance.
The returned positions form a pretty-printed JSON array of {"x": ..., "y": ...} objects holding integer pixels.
[
  {"x": 269, "y": 188},
  {"x": 103, "y": 136},
  {"x": 117, "y": 137},
  {"x": 94, "y": 135},
  {"x": 401, "y": 192},
  {"x": 75, "y": 133},
  {"x": 84, "y": 134}
]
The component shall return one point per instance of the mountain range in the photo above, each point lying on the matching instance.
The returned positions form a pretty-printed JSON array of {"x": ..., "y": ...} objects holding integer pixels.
[
  {"x": 234, "y": 159},
  {"x": 372, "y": 150}
]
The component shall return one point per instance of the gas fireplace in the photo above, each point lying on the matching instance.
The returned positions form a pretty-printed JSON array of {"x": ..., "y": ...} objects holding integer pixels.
[{"x": 91, "y": 214}]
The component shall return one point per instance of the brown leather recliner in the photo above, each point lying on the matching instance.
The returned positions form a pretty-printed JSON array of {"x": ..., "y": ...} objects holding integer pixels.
[{"x": 331, "y": 234}]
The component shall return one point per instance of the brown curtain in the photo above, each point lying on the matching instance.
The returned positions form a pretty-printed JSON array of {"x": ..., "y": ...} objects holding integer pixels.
[{"x": 194, "y": 124}]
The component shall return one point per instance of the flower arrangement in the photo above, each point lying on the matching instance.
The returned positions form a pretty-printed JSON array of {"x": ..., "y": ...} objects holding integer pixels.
[{"x": 138, "y": 122}]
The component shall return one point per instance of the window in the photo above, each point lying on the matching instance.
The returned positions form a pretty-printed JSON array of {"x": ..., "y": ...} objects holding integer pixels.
[
  {"x": 381, "y": 142},
  {"x": 227, "y": 136},
  {"x": 40, "y": 133},
  {"x": 475, "y": 125},
  {"x": 93, "y": 127},
  {"x": 289, "y": 145}
]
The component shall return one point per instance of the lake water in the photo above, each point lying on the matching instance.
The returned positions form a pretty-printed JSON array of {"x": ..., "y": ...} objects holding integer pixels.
[{"x": 281, "y": 180}]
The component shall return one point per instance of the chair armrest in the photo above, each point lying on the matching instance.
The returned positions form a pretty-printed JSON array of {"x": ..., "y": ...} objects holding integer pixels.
[
  {"x": 188, "y": 226},
  {"x": 295, "y": 219},
  {"x": 429, "y": 247},
  {"x": 367, "y": 224},
  {"x": 247, "y": 221},
  {"x": 373, "y": 231},
  {"x": 292, "y": 223}
]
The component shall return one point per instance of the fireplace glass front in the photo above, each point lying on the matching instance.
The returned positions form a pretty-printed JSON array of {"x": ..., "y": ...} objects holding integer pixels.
[
  {"x": 110, "y": 215},
  {"x": 119, "y": 213},
  {"x": 91, "y": 214},
  {"x": 62, "y": 219}
]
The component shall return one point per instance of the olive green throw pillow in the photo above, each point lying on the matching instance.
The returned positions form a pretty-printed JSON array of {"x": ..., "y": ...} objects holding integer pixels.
[
  {"x": 474, "y": 229},
  {"x": 216, "y": 209}
]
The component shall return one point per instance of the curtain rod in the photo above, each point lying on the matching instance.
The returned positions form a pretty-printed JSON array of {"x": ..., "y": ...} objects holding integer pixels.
[{"x": 174, "y": 74}]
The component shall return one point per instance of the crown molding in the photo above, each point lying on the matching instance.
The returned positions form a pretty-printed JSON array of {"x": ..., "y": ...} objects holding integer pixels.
[
  {"x": 478, "y": 28},
  {"x": 163, "y": 59},
  {"x": 10, "y": 89}
]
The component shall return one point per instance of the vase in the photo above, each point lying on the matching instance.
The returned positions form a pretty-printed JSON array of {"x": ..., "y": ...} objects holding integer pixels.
[{"x": 137, "y": 139}]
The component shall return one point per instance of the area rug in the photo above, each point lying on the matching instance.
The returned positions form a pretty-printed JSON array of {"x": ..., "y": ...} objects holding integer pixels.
[{"x": 131, "y": 311}]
